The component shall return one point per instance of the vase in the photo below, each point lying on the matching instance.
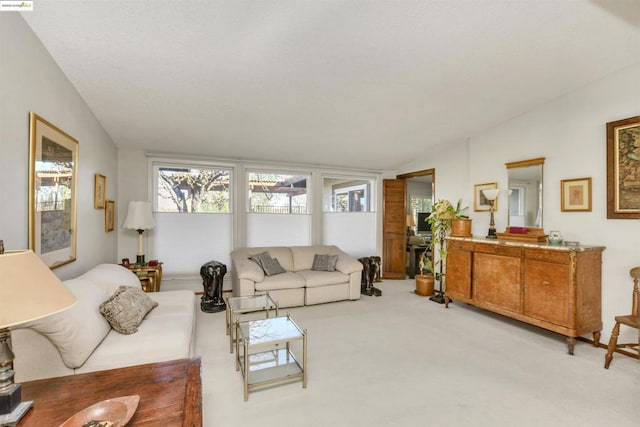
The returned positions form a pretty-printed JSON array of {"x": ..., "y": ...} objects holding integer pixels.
[
  {"x": 424, "y": 285},
  {"x": 461, "y": 227}
]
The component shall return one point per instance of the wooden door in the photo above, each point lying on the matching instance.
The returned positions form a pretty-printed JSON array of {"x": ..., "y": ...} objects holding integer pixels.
[{"x": 394, "y": 229}]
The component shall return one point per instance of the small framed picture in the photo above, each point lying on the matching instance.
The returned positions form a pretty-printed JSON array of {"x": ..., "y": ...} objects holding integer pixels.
[
  {"x": 480, "y": 202},
  {"x": 99, "y": 191},
  {"x": 109, "y": 215},
  {"x": 575, "y": 195}
]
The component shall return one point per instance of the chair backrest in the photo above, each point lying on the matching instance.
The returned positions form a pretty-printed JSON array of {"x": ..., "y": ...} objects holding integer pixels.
[{"x": 635, "y": 273}]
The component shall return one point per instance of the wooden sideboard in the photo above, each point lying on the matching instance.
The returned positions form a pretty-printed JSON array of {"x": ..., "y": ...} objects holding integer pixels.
[{"x": 554, "y": 287}]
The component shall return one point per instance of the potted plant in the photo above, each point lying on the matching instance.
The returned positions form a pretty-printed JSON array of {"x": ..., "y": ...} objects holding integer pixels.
[
  {"x": 425, "y": 280},
  {"x": 440, "y": 220},
  {"x": 461, "y": 223}
]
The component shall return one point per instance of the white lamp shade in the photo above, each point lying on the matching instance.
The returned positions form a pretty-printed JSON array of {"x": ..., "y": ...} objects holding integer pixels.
[
  {"x": 491, "y": 194},
  {"x": 139, "y": 216},
  {"x": 29, "y": 290}
]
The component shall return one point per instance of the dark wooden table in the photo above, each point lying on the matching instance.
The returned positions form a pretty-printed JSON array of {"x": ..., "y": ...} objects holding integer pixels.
[{"x": 170, "y": 394}]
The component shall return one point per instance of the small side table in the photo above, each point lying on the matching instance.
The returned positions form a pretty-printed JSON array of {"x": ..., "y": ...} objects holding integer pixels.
[
  {"x": 243, "y": 305},
  {"x": 150, "y": 276}
]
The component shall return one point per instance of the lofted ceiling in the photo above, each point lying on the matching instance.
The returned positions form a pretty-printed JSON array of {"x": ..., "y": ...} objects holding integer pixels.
[{"x": 365, "y": 84}]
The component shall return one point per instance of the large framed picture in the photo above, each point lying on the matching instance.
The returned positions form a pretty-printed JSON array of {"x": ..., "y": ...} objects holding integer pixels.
[
  {"x": 623, "y": 164},
  {"x": 109, "y": 215},
  {"x": 99, "y": 191},
  {"x": 53, "y": 173},
  {"x": 480, "y": 202},
  {"x": 575, "y": 195}
]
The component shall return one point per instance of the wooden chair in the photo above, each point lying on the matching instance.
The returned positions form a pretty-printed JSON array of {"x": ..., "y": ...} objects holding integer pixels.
[{"x": 632, "y": 320}]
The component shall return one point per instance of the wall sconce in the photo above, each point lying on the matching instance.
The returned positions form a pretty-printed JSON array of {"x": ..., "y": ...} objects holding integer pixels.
[
  {"x": 491, "y": 196},
  {"x": 139, "y": 218}
]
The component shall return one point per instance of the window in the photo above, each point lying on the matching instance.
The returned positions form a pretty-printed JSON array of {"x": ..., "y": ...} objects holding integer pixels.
[
  {"x": 191, "y": 189},
  {"x": 347, "y": 195},
  {"x": 277, "y": 193}
]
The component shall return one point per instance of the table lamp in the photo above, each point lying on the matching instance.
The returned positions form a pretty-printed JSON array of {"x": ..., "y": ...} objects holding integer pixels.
[
  {"x": 491, "y": 196},
  {"x": 139, "y": 218},
  {"x": 411, "y": 222},
  {"x": 28, "y": 291}
]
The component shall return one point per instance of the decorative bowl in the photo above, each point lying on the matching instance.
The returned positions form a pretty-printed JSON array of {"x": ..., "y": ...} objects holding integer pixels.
[{"x": 118, "y": 410}]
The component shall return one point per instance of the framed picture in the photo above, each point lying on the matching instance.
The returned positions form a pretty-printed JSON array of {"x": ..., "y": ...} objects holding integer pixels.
[
  {"x": 109, "y": 215},
  {"x": 623, "y": 164},
  {"x": 53, "y": 174},
  {"x": 481, "y": 203},
  {"x": 575, "y": 195},
  {"x": 99, "y": 191}
]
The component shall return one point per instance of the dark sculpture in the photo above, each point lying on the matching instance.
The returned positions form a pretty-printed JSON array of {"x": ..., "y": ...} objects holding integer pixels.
[
  {"x": 370, "y": 271},
  {"x": 212, "y": 274}
]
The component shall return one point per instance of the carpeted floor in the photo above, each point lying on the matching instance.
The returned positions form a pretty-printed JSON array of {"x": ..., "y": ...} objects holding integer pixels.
[{"x": 401, "y": 360}]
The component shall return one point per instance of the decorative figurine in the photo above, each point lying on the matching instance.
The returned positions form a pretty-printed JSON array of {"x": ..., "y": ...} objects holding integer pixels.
[{"x": 212, "y": 274}]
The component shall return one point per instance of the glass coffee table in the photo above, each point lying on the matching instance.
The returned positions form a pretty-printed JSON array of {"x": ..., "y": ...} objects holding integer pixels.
[
  {"x": 264, "y": 352},
  {"x": 237, "y": 306}
]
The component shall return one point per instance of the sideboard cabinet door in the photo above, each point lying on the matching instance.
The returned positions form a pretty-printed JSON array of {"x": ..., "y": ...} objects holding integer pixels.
[
  {"x": 546, "y": 289},
  {"x": 458, "y": 277},
  {"x": 497, "y": 281}
]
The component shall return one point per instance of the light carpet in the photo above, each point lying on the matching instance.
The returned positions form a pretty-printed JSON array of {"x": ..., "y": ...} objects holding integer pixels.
[{"x": 402, "y": 360}]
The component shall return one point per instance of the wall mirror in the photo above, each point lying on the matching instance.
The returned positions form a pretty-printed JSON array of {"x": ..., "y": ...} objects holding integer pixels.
[{"x": 525, "y": 184}]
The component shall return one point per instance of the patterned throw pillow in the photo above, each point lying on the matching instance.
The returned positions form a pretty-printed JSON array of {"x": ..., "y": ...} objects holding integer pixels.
[
  {"x": 324, "y": 262},
  {"x": 126, "y": 309},
  {"x": 269, "y": 265}
]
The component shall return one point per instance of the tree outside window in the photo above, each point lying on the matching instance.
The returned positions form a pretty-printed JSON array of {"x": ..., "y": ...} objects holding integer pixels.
[{"x": 192, "y": 189}]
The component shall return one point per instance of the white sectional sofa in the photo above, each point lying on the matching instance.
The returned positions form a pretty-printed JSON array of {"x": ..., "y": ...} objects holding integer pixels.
[
  {"x": 299, "y": 284},
  {"x": 80, "y": 339}
]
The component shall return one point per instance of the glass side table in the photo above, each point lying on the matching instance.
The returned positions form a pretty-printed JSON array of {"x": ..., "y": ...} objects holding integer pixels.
[
  {"x": 264, "y": 352},
  {"x": 237, "y": 306}
]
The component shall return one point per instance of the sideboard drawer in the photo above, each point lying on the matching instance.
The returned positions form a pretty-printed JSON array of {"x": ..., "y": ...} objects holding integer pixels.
[
  {"x": 486, "y": 248},
  {"x": 548, "y": 256}
]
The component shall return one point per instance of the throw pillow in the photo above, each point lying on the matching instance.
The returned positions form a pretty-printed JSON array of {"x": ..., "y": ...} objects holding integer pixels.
[
  {"x": 271, "y": 266},
  {"x": 258, "y": 258},
  {"x": 324, "y": 262},
  {"x": 126, "y": 309}
]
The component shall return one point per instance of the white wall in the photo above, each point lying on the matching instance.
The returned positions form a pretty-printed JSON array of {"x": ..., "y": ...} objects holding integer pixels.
[
  {"x": 571, "y": 134},
  {"x": 30, "y": 81}
]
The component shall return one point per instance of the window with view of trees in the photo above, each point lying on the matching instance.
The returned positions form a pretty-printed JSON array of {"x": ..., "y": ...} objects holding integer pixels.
[
  {"x": 277, "y": 193},
  {"x": 192, "y": 189}
]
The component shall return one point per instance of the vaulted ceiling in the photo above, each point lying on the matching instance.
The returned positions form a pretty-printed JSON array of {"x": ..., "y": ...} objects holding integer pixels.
[{"x": 352, "y": 83}]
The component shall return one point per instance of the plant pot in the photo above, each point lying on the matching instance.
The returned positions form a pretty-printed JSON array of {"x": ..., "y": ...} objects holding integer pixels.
[
  {"x": 424, "y": 285},
  {"x": 461, "y": 227}
]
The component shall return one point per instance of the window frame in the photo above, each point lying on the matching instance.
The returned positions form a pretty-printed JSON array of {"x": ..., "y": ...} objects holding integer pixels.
[
  {"x": 157, "y": 163},
  {"x": 279, "y": 171}
]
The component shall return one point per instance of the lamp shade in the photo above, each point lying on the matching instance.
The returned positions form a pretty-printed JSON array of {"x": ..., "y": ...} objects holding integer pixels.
[
  {"x": 139, "y": 216},
  {"x": 411, "y": 222},
  {"x": 28, "y": 289},
  {"x": 491, "y": 194}
]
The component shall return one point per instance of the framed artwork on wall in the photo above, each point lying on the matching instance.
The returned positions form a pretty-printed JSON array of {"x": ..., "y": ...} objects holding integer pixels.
[
  {"x": 480, "y": 202},
  {"x": 53, "y": 174},
  {"x": 99, "y": 191},
  {"x": 109, "y": 215},
  {"x": 575, "y": 195},
  {"x": 623, "y": 164}
]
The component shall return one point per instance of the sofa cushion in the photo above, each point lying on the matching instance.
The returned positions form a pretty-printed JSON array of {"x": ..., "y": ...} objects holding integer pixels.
[
  {"x": 287, "y": 280},
  {"x": 315, "y": 278},
  {"x": 126, "y": 308},
  {"x": 324, "y": 262},
  {"x": 109, "y": 277},
  {"x": 77, "y": 331},
  {"x": 166, "y": 333}
]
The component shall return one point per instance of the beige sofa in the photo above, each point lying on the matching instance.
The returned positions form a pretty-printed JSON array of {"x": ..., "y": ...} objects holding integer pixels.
[
  {"x": 299, "y": 284},
  {"x": 79, "y": 339}
]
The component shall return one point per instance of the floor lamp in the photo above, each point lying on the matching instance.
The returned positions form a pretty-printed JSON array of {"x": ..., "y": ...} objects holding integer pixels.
[{"x": 28, "y": 291}]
